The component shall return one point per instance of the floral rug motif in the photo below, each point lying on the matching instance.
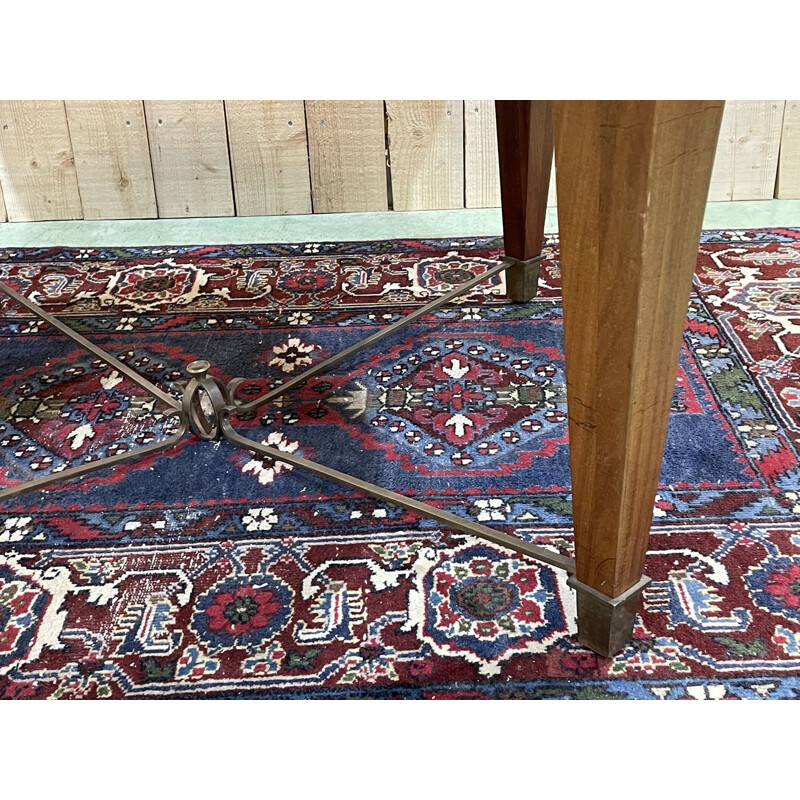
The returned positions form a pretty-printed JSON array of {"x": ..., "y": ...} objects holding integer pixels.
[{"x": 205, "y": 571}]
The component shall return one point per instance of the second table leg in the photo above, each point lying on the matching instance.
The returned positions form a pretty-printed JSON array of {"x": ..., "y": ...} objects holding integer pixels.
[{"x": 525, "y": 147}]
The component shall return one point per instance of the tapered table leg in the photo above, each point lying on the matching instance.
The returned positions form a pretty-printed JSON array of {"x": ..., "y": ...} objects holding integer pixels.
[
  {"x": 632, "y": 180},
  {"x": 525, "y": 146}
]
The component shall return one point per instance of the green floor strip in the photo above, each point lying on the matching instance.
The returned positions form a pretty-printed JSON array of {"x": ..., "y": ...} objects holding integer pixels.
[{"x": 338, "y": 227}]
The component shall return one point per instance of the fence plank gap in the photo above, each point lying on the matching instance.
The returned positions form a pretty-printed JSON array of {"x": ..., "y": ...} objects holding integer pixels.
[
  {"x": 269, "y": 155},
  {"x": 746, "y": 162},
  {"x": 788, "y": 183},
  {"x": 189, "y": 155},
  {"x": 37, "y": 168},
  {"x": 112, "y": 158},
  {"x": 426, "y": 152},
  {"x": 346, "y": 146}
]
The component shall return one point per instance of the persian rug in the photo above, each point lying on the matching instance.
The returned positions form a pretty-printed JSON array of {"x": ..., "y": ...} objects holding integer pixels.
[{"x": 206, "y": 572}]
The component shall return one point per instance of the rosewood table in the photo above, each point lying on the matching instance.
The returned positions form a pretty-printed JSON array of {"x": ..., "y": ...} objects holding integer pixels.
[{"x": 632, "y": 184}]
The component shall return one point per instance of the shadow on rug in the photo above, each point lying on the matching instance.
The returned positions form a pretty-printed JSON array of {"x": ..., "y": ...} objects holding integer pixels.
[{"x": 207, "y": 572}]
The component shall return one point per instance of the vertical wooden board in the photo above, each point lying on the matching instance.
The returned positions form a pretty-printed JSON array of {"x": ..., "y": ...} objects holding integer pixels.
[
  {"x": 269, "y": 156},
  {"x": 426, "y": 153},
  {"x": 37, "y": 170},
  {"x": 347, "y": 152},
  {"x": 788, "y": 185},
  {"x": 481, "y": 167},
  {"x": 746, "y": 162},
  {"x": 112, "y": 158},
  {"x": 189, "y": 154},
  {"x": 2, "y": 206}
]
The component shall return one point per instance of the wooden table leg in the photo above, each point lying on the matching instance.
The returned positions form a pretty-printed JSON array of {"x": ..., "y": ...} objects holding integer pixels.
[
  {"x": 525, "y": 146},
  {"x": 632, "y": 181}
]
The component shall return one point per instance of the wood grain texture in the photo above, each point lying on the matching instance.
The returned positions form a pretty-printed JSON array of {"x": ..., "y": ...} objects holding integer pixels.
[
  {"x": 269, "y": 156},
  {"x": 189, "y": 155},
  {"x": 525, "y": 147},
  {"x": 2, "y": 206},
  {"x": 788, "y": 182},
  {"x": 525, "y": 144},
  {"x": 347, "y": 152},
  {"x": 747, "y": 153},
  {"x": 632, "y": 183},
  {"x": 37, "y": 171},
  {"x": 426, "y": 152},
  {"x": 481, "y": 163},
  {"x": 112, "y": 158}
]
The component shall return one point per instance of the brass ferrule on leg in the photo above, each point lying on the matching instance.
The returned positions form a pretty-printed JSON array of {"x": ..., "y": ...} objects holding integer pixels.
[{"x": 606, "y": 623}]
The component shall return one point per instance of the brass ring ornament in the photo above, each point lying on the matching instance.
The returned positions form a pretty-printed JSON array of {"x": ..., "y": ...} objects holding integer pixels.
[{"x": 204, "y": 400}]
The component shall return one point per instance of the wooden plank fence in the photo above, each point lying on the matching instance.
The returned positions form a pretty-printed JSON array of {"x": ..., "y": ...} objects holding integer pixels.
[
  {"x": 426, "y": 153},
  {"x": 37, "y": 167},
  {"x": 788, "y": 186},
  {"x": 112, "y": 159},
  {"x": 347, "y": 153},
  {"x": 746, "y": 163},
  {"x": 189, "y": 154},
  {"x": 269, "y": 157},
  {"x": 134, "y": 159}
]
